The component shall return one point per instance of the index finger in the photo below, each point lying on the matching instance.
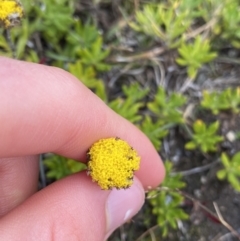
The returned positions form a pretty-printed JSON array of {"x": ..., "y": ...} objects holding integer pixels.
[{"x": 45, "y": 109}]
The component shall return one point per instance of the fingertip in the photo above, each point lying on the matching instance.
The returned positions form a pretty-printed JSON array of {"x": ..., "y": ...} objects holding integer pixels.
[
  {"x": 122, "y": 205},
  {"x": 70, "y": 209}
]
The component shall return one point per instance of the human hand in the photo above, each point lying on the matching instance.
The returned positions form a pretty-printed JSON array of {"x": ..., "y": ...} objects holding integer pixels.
[{"x": 45, "y": 109}]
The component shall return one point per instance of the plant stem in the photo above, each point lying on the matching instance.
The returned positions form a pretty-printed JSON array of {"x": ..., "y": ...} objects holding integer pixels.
[{"x": 9, "y": 40}]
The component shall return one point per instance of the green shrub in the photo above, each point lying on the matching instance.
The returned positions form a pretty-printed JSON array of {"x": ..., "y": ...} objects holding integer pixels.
[
  {"x": 231, "y": 170},
  {"x": 167, "y": 200},
  {"x": 229, "y": 24},
  {"x": 129, "y": 106},
  {"x": 155, "y": 131},
  {"x": 168, "y": 107},
  {"x": 162, "y": 22},
  {"x": 194, "y": 55},
  {"x": 59, "y": 167},
  {"x": 204, "y": 137},
  {"x": 87, "y": 75},
  {"x": 228, "y": 99}
]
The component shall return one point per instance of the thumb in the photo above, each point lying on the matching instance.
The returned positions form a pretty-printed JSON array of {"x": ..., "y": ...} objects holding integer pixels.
[{"x": 73, "y": 208}]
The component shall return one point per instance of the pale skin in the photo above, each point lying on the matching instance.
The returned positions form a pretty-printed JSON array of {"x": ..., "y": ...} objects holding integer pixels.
[{"x": 45, "y": 109}]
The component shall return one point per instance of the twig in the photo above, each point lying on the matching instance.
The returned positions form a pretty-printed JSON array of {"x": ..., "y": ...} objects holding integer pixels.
[
  {"x": 147, "y": 232},
  {"x": 11, "y": 45},
  {"x": 153, "y": 237},
  {"x": 220, "y": 83},
  {"x": 188, "y": 82},
  {"x": 118, "y": 75},
  {"x": 161, "y": 71},
  {"x": 216, "y": 238},
  {"x": 145, "y": 55},
  {"x": 223, "y": 222},
  {"x": 136, "y": 4},
  {"x": 224, "y": 237},
  {"x": 197, "y": 169},
  {"x": 228, "y": 60},
  {"x": 206, "y": 26},
  {"x": 188, "y": 131},
  {"x": 199, "y": 204},
  {"x": 199, "y": 30}
]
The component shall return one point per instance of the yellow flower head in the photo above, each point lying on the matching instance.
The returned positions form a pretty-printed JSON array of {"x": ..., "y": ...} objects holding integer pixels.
[
  {"x": 112, "y": 163},
  {"x": 11, "y": 11}
]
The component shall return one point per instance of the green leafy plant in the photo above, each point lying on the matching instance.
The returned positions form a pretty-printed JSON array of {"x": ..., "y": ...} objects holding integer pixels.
[
  {"x": 167, "y": 200},
  {"x": 155, "y": 131},
  {"x": 168, "y": 107},
  {"x": 84, "y": 44},
  {"x": 59, "y": 167},
  {"x": 129, "y": 106},
  {"x": 68, "y": 39},
  {"x": 198, "y": 9},
  {"x": 194, "y": 55},
  {"x": 204, "y": 137},
  {"x": 87, "y": 75},
  {"x": 95, "y": 55},
  {"x": 228, "y": 99},
  {"x": 54, "y": 19},
  {"x": 5, "y": 49},
  {"x": 229, "y": 23},
  {"x": 231, "y": 170},
  {"x": 82, "y": 35},
  {"x": 162, "y": 22}
]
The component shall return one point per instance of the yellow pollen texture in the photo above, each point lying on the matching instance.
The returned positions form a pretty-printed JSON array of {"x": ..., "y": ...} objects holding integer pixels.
[
  {"x": 112, "y": 163},
  {"x": 10, "y": 10}
]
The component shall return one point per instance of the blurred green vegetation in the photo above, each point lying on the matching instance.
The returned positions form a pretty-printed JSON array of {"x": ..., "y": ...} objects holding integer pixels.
[
  {"x": 184, "y": 35},
  {"x": 204, "y": 137},
  {"x": 230, "y": 170},
  {"x": 167, "y": 200}
]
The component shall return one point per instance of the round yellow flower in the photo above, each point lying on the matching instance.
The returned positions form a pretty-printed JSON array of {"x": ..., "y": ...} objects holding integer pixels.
[
  {"x": 11, "y": 11},
  {"x": 112, "y": 162}
]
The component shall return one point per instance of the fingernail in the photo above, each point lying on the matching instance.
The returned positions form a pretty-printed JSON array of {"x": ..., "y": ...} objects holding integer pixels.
[{"x": 122, "y": 205}]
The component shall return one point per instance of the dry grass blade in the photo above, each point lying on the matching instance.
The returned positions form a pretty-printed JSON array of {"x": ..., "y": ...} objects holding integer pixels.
[
  {"x": 197, "y": 169},
  {"x": 224, "y": 237},
  {"x": 136, "y": 4},
  {"x": 149, "y": 231},
  {"x": 223, "y": 222},
  {"x": 145, "y": 55},
  {"x": 207, "y": 26},
  {"x": 153, "y": 237}
]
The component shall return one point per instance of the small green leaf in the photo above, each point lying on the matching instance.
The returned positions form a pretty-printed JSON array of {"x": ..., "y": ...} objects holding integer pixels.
[
  {"x": 234, "y": 181},
  {"x": 212, "y": 129},
  {"x": 190, "y": 145},
  {"x": 236, "y": 158},
  {"x": 199, "y": 126},
  {"x": 221, "y": 174},
  {"x": 225, "y": 160}
]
